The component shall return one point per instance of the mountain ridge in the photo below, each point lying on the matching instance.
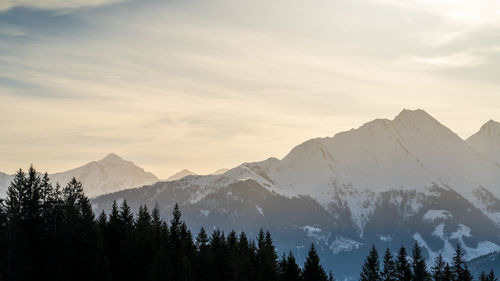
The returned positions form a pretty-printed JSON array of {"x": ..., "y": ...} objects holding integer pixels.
[
  {"x": 388, "y": 182},
  {"x": 109, "y": 174}
]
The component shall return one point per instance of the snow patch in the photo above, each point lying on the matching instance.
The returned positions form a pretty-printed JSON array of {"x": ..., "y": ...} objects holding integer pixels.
[
  {"x": 448, "y": 250},
  {"x": 342, "y": 244},
  {"x": 316, "y": 234},
  {"x": 462, "y": 231},
  {"x": 259, "y": 209},
  {"x": 433, "y": 215},
  {"x": 387, "y": 238}
]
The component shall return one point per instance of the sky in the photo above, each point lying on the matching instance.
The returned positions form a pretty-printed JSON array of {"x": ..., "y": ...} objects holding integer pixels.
[{"x": 204, "y": 85}]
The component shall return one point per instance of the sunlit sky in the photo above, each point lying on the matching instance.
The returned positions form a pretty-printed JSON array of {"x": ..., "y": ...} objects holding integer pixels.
[{"x": 204, "y": 85}]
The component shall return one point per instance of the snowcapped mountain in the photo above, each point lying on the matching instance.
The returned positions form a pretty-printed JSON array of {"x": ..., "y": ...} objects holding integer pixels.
[
  {"x": 185, "y": 172},
  {"x": 180, "y": 175},
  {"x": 487, "y": 141},
  {"x": 109, "y": 174},
  {"x": 388, "y": 182},
  {"x": 220, "y": 171}
]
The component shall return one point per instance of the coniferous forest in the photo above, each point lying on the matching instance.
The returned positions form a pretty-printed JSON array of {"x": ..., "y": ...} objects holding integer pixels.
[{"x": 49, "y": 232}]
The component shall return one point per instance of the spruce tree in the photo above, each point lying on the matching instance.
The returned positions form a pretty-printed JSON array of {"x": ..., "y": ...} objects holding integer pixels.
[
  {"x": 267, "y": 258},
  {"x": 438, "y": 269},
  {"x": 460, "y": 270},
  {"x": 487, "y": 277},
  {"x": 245, "y": 269},
  {"x": 491, "y": 276},
  {"x": 371, "y": 267},
  {"x": 389, "y": 271},
  {"x": 288, "y": 268},
  {"x": 330, "y": 276},
  {"x": 313, "y": 271},
  {"x": 142, "y": 244},
  {"x": 13, "y": 209},
  {"x": 403, "y": 268},
  {"x": 419, "y": 267},
  {"x": 448, "y": 273},
  {"x": 466, "y": 275},
  {"x": 204, "y": 259},
  {"x": 160, "y": 264},
  {"x": 221, "y": 253}
]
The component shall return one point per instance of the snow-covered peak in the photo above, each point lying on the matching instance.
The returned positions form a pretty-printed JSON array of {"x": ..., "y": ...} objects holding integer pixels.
[
  {"x": 412, "y": 151},
  {"x": 487, "y": 141},
  {"x": 490, "y": 131},
  {"x": 111, "y": 158},
  {"x": 181, "y": 174},
  {"x": 416, "y": 115},
  {"x": 220, "y": 171},
  {"x": 110, "y": 174},
  {"x": 420, "y": 124}
]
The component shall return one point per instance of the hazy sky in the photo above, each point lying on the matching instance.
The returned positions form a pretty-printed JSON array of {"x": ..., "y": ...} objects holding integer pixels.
[{"x": 209, "y": 84}]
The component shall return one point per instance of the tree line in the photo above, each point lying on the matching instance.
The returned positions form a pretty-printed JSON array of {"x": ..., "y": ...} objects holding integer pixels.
[
  {"x": 49, "y": 232},
  {"x": 404, "y": 267}
]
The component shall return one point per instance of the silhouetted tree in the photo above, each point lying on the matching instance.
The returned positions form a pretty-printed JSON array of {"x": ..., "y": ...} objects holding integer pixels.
[
  {"x": 487, "y": 277},
  {"x": 288, "y": 268},
  {"x": 438, "y": 269},
  {"x": 419, "y": 267},
  {"x": 403, "y": 268},
  {"x": 389, "y": 271},
  {"x": 371, "y": 267},
  {"x": 460, "y": 271},
  {"x": 313, "y": 271}
]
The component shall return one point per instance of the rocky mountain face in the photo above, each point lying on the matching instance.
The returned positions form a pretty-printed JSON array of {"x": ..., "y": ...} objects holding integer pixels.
[
  {"x": 388, "y": 183},
  {"x": 109, "y": 174}
]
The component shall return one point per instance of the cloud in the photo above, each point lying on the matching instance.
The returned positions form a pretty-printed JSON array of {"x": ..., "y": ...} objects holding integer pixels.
[
  {"x": 467, "y": 58},
  {"x": 6, "y": 5},
  {"x": 458, "y": 19}
]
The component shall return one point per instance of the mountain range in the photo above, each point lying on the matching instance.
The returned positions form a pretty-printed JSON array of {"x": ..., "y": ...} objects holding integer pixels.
[{"x": 387, "y": 183}]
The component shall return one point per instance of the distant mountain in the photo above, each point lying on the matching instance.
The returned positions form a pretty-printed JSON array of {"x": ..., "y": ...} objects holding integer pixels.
[
  {"x": 487, "y": 141},
  {"x": 109, "y": 174},
  {"x": 219, "y": 172},
  {"x": 180, "y": 175},
  {"x": 186, "y": 172},
  {"x": 485, "y": 263},
  {"x": 388, "y": 182},
  {"x": 5, "y": 180}
]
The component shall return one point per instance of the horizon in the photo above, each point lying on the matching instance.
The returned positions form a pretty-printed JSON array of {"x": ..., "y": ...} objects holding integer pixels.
[
  {"x": 197, "y": 85},
  {"x": 180, "y": 170}
]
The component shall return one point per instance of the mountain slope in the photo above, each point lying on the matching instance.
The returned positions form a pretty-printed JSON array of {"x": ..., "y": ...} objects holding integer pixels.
[
  {"x": 109, "y": 174},
  {"x": 220, "y": 171},
  {"x": 5, "y": 180},
  {"x": 487, "y": 141},
  {"x": 389, "y": 182},
  {"x": 485, "y": 263},
  {"x": 180, "y": 175}
]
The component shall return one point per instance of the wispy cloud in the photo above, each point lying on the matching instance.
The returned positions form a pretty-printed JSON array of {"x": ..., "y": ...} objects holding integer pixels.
[
  {"x": 6, "y": 5},
  {"x": 458, "y": 19},
  {"x": 467, "y": 58}
]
